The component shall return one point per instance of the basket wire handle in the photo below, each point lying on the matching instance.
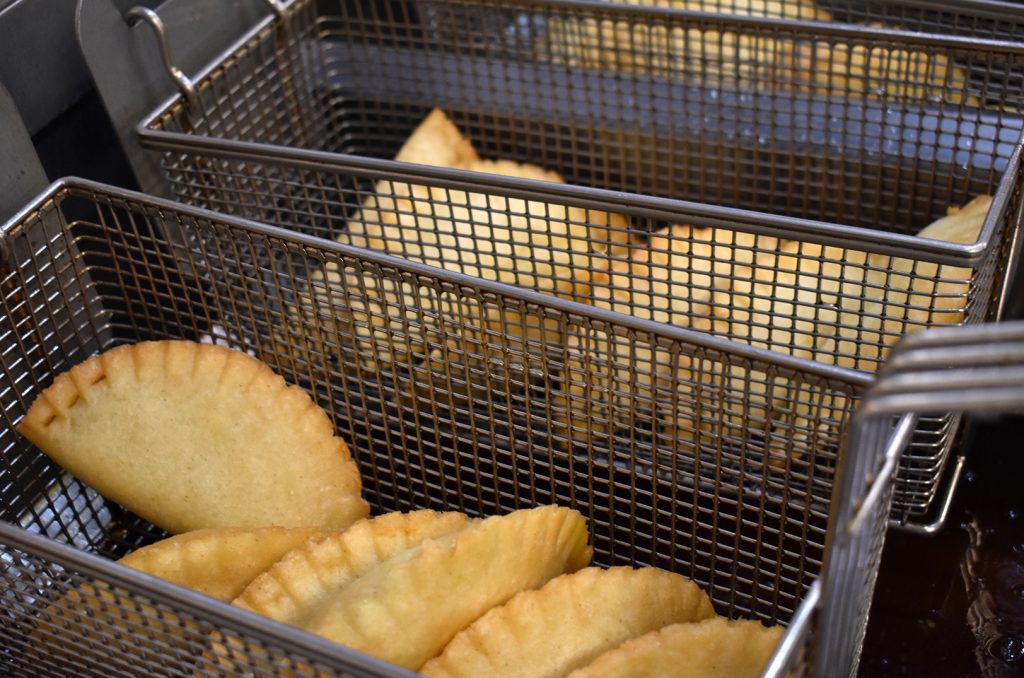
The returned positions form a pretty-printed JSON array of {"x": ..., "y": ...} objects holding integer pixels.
[
  {"x": 184, "y": 83},
  {"x": 896, "y": 444}
]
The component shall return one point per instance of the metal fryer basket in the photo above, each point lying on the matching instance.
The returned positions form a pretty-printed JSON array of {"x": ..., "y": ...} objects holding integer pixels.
[
  {"x": 483, "y": 429},
  {"x": 290, "y": 123}
]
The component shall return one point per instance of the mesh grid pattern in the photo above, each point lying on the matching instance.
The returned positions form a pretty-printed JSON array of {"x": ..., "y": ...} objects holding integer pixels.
[
  {"x": 875, "y": 130},
  {"x": 975, "y": 18},
  {"x": 851, "y": 151},
  {"x": 62, "y": 617},
  {"x": 477, "y": 416},
  {"x": 859, "y": 563},
  {"x": 973, "y": 371}
]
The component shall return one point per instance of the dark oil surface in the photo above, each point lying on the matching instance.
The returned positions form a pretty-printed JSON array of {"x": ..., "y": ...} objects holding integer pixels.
[{"x": 952, "y": 604}]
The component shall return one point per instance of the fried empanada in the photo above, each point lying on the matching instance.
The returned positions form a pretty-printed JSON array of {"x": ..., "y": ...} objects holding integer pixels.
[
  {"x": 902, "y": 295},
  {"x": 548, "y": 247},
  {"x": 827, "y": 303},
  {"x": 408, "y": 608},
  {"x": 748, "y": 58},
  {"x": 569, "y": 622},
  {"x": 713, "y": 648},
  {"x": 192, "y": 436},
  {"x": 218, "y": 562},
  {"x": 293, "y": 589}
]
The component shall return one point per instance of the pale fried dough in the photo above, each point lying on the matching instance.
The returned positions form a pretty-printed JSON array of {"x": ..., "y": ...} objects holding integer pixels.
[
  {"x": 544, "y": 246},
  {"x": 569, "y": 622},
  {"x": 713, "y": 648},
  {"x": 437, "y": 141},
  {"x": 753, "y": 59},
  {"x": 904, "y": 295},
  {"x": 837, "y": 67},
  {"x": 218, "y": 562},
  {"x": 407, "y": 609},
  {"x": 663, "y": 283},
  {"x": 827, "y": 303},
  {"x": 717, "y": 56},
  {"x": 293, "y": 589},
  {"x": 193, "y": 436}
]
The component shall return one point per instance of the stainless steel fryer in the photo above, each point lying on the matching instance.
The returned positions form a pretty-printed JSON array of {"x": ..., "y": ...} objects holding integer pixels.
[
  {"x": 87, "y": 267},
  {"x": 290, "y": 126}
]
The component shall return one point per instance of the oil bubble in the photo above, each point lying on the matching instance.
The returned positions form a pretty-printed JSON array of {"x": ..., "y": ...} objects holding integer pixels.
[{"x": 1007, "y": 648}]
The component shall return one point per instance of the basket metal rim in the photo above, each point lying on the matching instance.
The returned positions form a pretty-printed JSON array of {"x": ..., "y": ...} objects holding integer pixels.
[
  {"x": 994, "y": 9},
  {"x": 656, "y": 207},
  {"x": 797, "y": 631},
  {"x": 97, "y": 567},
  {"x": 855, "y": 378},
  {"x": 939, "y": 509},
  {"x": 926, "y": 374},
  {"x": 953, "y": 336},
  {"x": 812, "y": 28},
  {"x": 159, "y": 590}
]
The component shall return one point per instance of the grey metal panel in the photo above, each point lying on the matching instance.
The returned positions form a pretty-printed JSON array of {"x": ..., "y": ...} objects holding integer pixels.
[
  {"x": 126, "y": 66},
  {"x": 39, "y": 62},
  {"x": 21, "y": 173}
]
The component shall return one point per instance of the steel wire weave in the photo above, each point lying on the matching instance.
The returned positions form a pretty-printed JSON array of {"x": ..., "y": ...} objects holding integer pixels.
[
  {"x": 475, "y": 415},
  {"x": 870, "y": 134}
]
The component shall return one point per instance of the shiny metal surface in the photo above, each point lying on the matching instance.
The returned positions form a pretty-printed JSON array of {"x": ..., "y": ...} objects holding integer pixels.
[
  {"x": 478, "y": 424},
  {"x": 948, "y": 368},
  {"x": 127, "y": 68},
  {"x": 297, "y": 118},
  {"x": 183, "y": 82},
  {"x": 21, "y": 174}
]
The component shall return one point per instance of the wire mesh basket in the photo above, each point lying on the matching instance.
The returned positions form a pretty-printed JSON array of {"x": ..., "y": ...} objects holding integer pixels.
[
  {"x": 87, "y": 267},
  {"x": 482, "y": 428},
  {"x": 858, "y": 136}
]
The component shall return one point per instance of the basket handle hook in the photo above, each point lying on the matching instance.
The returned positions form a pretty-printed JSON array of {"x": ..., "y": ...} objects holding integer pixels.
[
  {"x": 277, "y": 7},
  {"x": 184, "y": 83}
]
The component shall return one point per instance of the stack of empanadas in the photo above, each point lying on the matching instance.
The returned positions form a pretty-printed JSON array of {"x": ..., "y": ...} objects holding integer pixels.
[
  {"x": 443, "y": 594},
  {"x": 830, "y": 304},
  {"x": 753, "y": 61},
  {"x": 206, "y": 441},
  {"x": 542, "y": 246}
]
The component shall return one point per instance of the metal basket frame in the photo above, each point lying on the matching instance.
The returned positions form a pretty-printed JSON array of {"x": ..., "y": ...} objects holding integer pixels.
[
  {"x": 48, "y": 255},
  {"x": 925, "y": 466},
  {"x": 977, "y": 369},
  {"x": 978, "y": 18},
  {"x": 990, "y": 19}
]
